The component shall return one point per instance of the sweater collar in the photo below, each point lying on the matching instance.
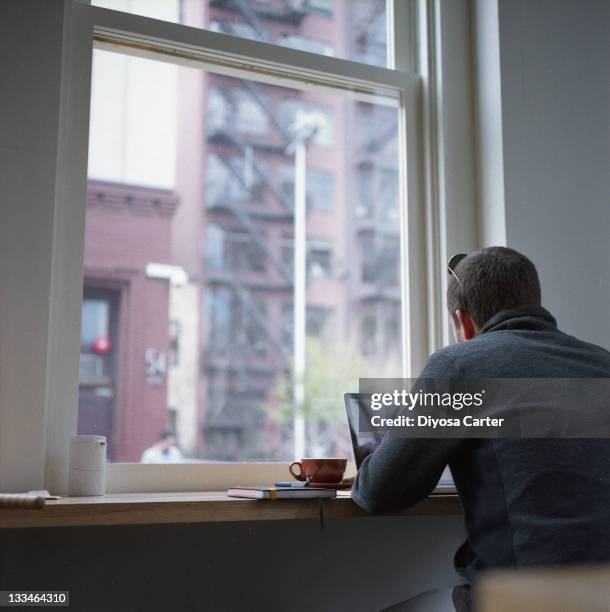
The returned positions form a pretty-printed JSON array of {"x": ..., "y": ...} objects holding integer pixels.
[{"x": 521, "y": 317}]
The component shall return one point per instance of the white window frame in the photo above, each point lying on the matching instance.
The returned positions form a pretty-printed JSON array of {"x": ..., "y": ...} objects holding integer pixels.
[{"x": 419, "y": 151}]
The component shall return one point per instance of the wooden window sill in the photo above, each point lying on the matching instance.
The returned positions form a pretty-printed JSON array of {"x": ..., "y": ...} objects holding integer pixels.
[{"x": 160, "y": 508}]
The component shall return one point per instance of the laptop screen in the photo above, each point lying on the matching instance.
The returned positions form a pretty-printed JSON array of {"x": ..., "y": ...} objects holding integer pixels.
[{"x": 364, "y": 443}]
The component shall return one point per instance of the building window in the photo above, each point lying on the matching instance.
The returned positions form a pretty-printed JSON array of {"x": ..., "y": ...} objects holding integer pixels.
[
  {"x": 368, "y": 335},
  {"x": 233, "y": 251},
  {"x": 244, "y": 254},
  {"x": 388, "y": 195},
  {"x": 324, "y": 7},
  {"x": 318, "y": 318},
  {"x": 221, "y": 316},
  {"x": 287, "y": 326},
  {"x": 369, "y": 261},
  {"x": 380, "y": 261},
  {"x": 232, "y": 178},
  {"x": 98, "y": 357},
  {"x": 368, "y": 31},
  {"x": 319, "y": 259},
  {"x": 231, "y": 108},
  {"x": 212, "y": 215},
  {"x": 317, "y": 322},
  {"x": 215, "y": 248},
  {"x": 365, "y": 202},
  {"x": 236, "y": 322},
  {"x": 320, "y": 187},
  {"x": 95, "y": 322},
  {"x": 377, "y": 196}
]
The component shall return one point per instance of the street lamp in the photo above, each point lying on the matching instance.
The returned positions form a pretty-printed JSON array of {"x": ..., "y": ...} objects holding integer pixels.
[{"x": 306, "y": 126}]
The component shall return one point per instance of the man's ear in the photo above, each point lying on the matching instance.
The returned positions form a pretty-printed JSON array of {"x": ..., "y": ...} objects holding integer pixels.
[{"x": 467, "y": 326}]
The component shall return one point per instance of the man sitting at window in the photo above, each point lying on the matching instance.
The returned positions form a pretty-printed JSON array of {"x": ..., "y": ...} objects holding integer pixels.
[{"x": 526, "y": 501}]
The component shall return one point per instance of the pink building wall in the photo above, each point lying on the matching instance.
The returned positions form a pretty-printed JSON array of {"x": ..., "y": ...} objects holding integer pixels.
[{"x": 127, "y": 228}]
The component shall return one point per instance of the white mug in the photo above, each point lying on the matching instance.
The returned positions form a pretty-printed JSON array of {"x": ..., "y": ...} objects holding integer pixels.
[{"x": 87, "y": 465}]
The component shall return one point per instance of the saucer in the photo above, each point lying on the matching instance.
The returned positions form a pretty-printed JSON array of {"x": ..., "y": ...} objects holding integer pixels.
[{"x": 339, "y": 486}]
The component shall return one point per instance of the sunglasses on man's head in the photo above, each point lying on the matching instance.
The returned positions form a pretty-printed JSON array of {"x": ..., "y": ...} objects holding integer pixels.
[{"x": 452, "y": 265}]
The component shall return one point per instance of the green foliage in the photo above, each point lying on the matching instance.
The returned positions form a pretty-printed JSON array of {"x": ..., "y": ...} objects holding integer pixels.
[{"x": 331, "y": 371}]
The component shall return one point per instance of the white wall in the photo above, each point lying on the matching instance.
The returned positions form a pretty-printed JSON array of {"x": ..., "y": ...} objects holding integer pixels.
[
  {"x": 553, "y": 58},
  {"x": 30, "y": 60},
  {"x": 456, "y": 142},
  {"x": 488, "y": 123}
]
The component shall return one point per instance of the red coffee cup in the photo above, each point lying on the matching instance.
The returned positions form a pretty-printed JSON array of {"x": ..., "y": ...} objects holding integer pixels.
[{"x": 323, "y": 471}]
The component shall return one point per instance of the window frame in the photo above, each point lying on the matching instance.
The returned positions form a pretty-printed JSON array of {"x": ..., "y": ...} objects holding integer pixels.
[{"x": 85, "y": 26}]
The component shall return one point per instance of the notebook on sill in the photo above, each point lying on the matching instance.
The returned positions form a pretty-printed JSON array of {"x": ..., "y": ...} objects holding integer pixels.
[{"x": 280, "y": 493}]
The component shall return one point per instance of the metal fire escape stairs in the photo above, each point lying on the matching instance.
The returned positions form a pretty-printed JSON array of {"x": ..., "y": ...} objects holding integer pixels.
[
  {"x": 291, "y": 11},
  {"x": 230, "y": 136}
]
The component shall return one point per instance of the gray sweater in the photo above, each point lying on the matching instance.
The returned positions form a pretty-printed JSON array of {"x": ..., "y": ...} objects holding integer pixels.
[{"x": 526, "y": 501}]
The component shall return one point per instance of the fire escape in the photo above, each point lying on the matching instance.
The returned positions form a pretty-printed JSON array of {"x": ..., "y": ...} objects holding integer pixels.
[
  {"x": 234, "y": 367},
  {"x": 230, "y": 146},
  {"x": 379, "y": 298}
]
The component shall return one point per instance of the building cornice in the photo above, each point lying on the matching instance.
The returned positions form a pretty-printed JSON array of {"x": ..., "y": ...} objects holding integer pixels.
[{"x": 136, "y": 199}]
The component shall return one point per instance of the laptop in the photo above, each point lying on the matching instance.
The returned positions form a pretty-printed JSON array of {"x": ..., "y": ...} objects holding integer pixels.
[{"x": 365, "y": 443}]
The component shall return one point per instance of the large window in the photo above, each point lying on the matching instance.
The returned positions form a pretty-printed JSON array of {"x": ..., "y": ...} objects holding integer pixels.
[
  {"x": 196, "y": 221},
  {"x": 220, "y": 294},
  {"x": 192, "y": 229},
  {"x": 228, "y": 243}
]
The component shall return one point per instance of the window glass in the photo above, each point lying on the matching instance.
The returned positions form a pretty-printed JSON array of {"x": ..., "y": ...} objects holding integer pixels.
[
  {"x": 319, "y": 259},
  {"x": 318, "y": 320},
  {"x": 380, "y": 261},
  {"x": 228, "y": 106},
  {"x": 320, "y": 187},
  {"x": 221, "y": 315},
  {"x": 190, "y": 230},
  {"x": 232, "y": 178},
  {"x": 94, "y": 322},
  {"x": 295, "y": 111},
  {"x": 97, "y": 372},
  {"x": 305, "y": 43},
  {"x": 368, "y": 335},
  {"x": 350, "y": 29}
]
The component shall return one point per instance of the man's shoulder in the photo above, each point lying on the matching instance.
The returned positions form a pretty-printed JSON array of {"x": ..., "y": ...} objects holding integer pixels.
[
  {"x": 458, "y": 359},
  {"x": 479, "y": 344},
  {"x": 524, "y": 353},
  {"x": 590, "y": 347},
  {"x": 443, "y": 363}
]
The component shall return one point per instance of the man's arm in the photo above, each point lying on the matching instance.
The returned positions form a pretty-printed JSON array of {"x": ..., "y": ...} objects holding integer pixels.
[{"x": 403, "y": 471}]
